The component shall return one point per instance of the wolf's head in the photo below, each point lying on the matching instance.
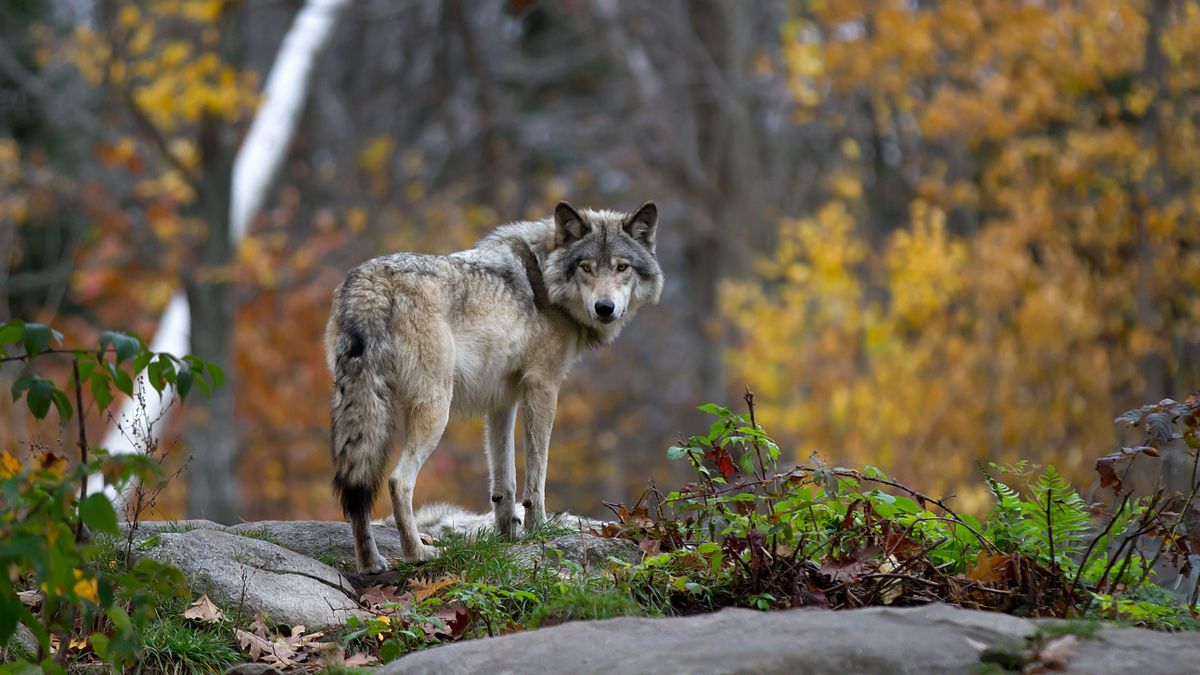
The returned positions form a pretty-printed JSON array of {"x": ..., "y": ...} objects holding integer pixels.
[{"x": 603, "y": 267}]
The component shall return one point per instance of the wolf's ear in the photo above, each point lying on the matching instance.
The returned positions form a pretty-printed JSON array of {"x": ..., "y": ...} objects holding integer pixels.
[
  {"x": 568, "y": 225},
  {"x": 641, "y": 224}
]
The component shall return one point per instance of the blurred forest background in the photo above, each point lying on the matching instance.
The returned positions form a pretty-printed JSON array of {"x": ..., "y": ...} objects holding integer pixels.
[{"x": 925, "y": 232}]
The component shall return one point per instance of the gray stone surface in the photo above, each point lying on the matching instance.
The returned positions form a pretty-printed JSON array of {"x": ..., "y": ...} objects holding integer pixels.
[
  {"x": 319, "y": 539},
  {"x": 932, "y": 639},
  {"x": 253, "y": 669},
  {"x": 149, "y": 528},
  {"x": 24, "y": 639},
  {"x": 258, "y": 576},
  {"x": 585, "y": 550}
]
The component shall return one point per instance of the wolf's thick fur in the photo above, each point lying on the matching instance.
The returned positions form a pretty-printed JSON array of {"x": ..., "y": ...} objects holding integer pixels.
[{"x": 413, "y": 338}]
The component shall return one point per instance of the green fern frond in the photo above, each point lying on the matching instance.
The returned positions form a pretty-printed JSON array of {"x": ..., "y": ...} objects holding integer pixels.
[{"x": 1007, "y": 499}]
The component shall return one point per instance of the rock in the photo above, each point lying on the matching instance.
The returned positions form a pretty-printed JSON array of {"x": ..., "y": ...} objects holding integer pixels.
[
  {"x": 931, "y": 639},
  {"x": 578, "y": 549},
  {"x": 23, "y": 639},
  {"x": 258, "y": 575},
  {"x": 329, "y": 541},
  {"x": 150, "y": 528},
  {"x": 253, "y": 669}
]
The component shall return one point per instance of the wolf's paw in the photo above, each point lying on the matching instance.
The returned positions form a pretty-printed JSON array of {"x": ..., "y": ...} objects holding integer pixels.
[
  {"x": 375, "y": 566},
  {"x": 508, "y": 525},
  {"x": 533, "y": 519},
  {"x": 421, "y": 554}
]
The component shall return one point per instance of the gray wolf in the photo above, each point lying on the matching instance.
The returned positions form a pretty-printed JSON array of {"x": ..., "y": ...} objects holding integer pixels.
[{"x": 413, "y": 338}]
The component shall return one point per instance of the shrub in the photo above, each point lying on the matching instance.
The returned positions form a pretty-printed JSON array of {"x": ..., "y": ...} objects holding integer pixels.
[{"x": 67, "y": 587}]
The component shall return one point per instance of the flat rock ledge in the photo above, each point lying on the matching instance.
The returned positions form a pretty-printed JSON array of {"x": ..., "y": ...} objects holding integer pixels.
[
  {"x": 242, "y": 574},
  {"x": 302, "y": 572},
  {"x": 930, "y": 639}
]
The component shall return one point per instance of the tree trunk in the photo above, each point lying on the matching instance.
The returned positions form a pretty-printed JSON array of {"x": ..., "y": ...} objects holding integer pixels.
[{"x": 211, "y": 436}]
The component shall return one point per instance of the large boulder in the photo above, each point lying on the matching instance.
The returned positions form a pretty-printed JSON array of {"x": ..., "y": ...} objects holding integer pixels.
[
  {"x": 151, "y": 528},
  {"x": 585, "y": 550},
  {"x": 329, "y": 541},
  {"x": 257, "y": 576},
  {"x": 931, "y": 639}
]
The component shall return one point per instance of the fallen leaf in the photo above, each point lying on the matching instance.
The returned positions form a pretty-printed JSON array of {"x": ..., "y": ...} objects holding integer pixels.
[
  {"x": 260, "y": 627},
  {"x": 650, "y": 547},
  {"x": 455, "y": 617},
  {"x": 359, "y": 659},
  {"x": 260, "y": 649},
  {"x": 31, "y": 599},
  {"x": 376, "y": 596},
  {"x": 1058, "y": 652},
  {"x": 423, "y": 588},
  {"x": 204, "y": 611},
  {"x": 988, "y": 568}
]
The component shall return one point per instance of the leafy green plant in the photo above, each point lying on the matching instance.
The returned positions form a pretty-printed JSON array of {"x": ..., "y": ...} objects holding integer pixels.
[
  {"x": 748, "y": 533},
  {"x": 63, "y": 583}
]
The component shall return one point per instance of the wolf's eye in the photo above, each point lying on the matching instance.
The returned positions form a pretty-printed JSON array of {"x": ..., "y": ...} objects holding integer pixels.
[
  {"x": 622, "y": 267},
  {"x": 587, "y": 268}
]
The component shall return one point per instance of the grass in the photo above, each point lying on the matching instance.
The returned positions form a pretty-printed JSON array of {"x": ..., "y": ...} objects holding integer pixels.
[
  {"x": 259, "y": 533},
  {"x": 580, "y": 602},
  {"x": 483, "y": 556},
  {"x": 170, "y": 645}
]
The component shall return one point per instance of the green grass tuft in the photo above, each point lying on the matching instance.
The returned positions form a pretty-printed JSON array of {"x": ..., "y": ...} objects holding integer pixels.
[
  {"x": 259, "y": 533},
  {"x": 172, "y": 646},
  {"x": 581, "y": 603}
]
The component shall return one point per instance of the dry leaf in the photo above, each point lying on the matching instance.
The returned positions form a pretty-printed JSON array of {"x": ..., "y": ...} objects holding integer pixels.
[
  {"x": 359, "y": 659},
  {"x": 988, "y": 568},
  {"x": 424, "y": 588},
  {"x": 31, "y": 599},
  {"x": 1058, "y": 652},
  {"x": 204, "y": 611},
  {"x": 259, "y": 626},
  {"x": 374, "y": 596},
  {"x": 259, "y": 648}
]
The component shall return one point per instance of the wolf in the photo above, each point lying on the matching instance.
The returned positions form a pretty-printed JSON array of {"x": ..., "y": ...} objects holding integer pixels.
[{"x": 414, "y": 338}]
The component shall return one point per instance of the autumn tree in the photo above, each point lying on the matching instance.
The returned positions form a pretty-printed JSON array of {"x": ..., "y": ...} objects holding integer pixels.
[{"x": 1009, "y": 236}]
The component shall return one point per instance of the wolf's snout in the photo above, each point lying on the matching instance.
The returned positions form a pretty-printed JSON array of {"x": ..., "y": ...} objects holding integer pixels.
[{"x": 605, "y": 308}]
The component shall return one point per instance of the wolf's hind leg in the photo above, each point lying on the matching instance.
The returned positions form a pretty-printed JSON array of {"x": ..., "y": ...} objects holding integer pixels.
[
  {"x": 426, "y": 422},
  {"x": 503, "y": 470}
]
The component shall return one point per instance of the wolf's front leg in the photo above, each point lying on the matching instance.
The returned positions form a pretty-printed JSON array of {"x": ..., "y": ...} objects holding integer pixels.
[
  {"x": 538, "y": 407},
  {"x": 498, "y": 437}
]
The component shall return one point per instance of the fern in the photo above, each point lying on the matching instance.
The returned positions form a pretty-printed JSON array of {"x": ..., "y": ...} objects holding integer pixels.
[
  {"x": 1007, "y": 499},
  {"x": 1007, "y": 526},
  {"x": 1061, "y": 515}
]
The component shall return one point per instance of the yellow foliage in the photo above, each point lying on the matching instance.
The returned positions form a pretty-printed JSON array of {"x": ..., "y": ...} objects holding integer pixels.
[
  {"x": 85, "y": 588},
  {"x": 375, "y": 156},
  {"x": 1005, "y": 317},
  {"x": 9, "y": 465}
]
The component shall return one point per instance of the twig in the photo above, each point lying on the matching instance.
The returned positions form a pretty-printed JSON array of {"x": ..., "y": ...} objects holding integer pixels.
[
  {"x": 83, "y": 445},
  {"x": 1050, "y": 523},
  {"x": 762, "y": 468},
  {"x": 1088, "y": 553}
]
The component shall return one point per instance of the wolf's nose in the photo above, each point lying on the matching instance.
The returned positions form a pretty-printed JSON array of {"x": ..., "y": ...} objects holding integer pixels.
[{"x": 605, "y": 308}]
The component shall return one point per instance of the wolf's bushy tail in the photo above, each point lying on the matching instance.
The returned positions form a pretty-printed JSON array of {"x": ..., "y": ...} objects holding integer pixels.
[{"x": 363, "y": 415}]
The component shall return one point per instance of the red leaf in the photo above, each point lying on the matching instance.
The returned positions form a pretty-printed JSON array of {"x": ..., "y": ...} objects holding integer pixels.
[{"x": 724, "y": 461}]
